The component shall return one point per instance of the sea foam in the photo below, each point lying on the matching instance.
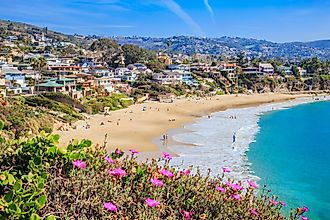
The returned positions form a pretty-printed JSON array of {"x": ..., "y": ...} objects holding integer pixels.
[{"x": 207, "y": 143}]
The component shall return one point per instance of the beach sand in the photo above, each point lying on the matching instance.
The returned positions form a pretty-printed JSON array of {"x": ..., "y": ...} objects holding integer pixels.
[{"x": 133, "y": 128}]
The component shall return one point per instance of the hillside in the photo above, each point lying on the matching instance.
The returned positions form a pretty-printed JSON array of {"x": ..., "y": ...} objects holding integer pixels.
[
  {"x": 230, "y": 46},
  {"x": 225, "y": 46}
]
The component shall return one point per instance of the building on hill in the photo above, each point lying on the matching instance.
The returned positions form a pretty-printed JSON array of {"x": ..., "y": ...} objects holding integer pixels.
[
  {"x": 167, "y": 78},
  {"x": 64, "y": 69},
  {"x": 302, "y": 71},
  {"x": 166, "y": 98},
  {"x": 64, "y": 85},
  {"x": 287, "y": 70},
  {"x": 164, "y": 58},
  {"x": 266, "y": 68},
  {"x": 251, "y": 71}
]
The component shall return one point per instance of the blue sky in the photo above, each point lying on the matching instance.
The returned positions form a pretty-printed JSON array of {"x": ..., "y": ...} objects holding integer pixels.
[{"x": 275, "y": 20}]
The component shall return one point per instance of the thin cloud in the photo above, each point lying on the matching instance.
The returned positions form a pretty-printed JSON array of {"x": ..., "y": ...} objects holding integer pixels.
[
  {"x": 177, "y": 10},
  {"x": 210, "y": 9}
]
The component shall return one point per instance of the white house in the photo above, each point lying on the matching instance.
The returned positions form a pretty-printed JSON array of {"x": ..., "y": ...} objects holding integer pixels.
[
  {"x": 266, "y": 68},
  {"x": 105, "y": 82}
]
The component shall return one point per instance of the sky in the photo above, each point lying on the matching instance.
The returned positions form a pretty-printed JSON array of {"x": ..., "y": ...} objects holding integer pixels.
[{"x": 274, "y": 20}]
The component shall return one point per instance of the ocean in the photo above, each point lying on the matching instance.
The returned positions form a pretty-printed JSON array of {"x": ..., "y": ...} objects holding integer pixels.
[
  {"x": 283, "y": 145},
  {"x": 292, "y": 156}
]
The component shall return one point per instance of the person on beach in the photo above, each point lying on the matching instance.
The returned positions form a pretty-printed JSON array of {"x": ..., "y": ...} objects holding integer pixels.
[{"x": 234, "y": 137}]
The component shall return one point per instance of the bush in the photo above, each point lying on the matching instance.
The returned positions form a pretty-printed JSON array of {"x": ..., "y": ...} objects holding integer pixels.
[
  {"x": 114, "y": 102},
  {"x": 39, "y": 180}
]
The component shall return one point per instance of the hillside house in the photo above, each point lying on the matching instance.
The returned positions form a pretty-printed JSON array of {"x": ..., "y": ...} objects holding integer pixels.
[{"x": 266, "y": 68}]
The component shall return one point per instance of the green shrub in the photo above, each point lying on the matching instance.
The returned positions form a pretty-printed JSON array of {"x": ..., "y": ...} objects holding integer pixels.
[{"x": 40, "y": 181}]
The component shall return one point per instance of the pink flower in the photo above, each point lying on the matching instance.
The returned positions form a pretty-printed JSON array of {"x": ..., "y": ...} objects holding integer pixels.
[
  {"x": 186, "y": 215},
  {"x": 273, "y": 202},
  {"x": 151, "y": 202},
  {"x": 156, "y": 182},
  {"x": 118, "y": 172},
  {"x": 303, "y": 218},
  {"x": 226, "y": 170},
  {"x": 187, "y": 172},
  {"x": 167, "y": 156},
  {"x": 134, "y": 151},
  {"x": 219, "y": 188},
  {"x": 236, "y": 187},
  {"x": 252, "y": 184},
  {"x": 305, "y": 209},
  {"x": 236, "y": 196},
  {"x": 80, "y": 164},
  {"x": 118, "y": 151},
  {"x": 110, "y": 206},
  {"x": 282, "y": 203},
  {"x": 254, "y": 212},
  {"x": 109, "y": 159},
  {"x": 166, "y": 173}
]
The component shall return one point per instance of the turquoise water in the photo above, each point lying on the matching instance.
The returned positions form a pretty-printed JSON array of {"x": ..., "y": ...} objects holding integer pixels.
[{"x": 292, "y": 156}]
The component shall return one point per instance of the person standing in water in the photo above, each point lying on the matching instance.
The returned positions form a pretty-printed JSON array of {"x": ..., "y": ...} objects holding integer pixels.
[{"x": 234, "y": 137}]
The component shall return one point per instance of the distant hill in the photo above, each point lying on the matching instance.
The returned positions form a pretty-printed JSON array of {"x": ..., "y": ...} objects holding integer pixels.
[
  {"x": 227, "y": 46},
  {"x": 232, "y": 45}
]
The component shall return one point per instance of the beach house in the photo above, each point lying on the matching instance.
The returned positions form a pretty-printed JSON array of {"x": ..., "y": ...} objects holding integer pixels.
[
  {"x": 106, "y": 83},
  {"x": 167, "y": 78},
  {"x": 266, "y": 68}
]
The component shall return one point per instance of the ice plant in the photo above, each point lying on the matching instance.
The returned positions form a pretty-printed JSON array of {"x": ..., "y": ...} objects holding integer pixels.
[
  {"x": 118, "y": 172},
  {"x": 166, "y": 173},
  {"x": 186, "y": 215},
  {"x": 252, "y": 184},
  {"x": 118, "y": 151},
  {"x": 305, "y": 209},
  {"x": 219, "y": 188},
  {"x": 133, "y": 151},
  {"x": 156, "y": 182},
  {"x": 109, "y": 160},
  {"x": 151, "y": 202},
  {"x": 187, "y": 172},
  {"x": 236, "y": 187},
  {"x": 80, "y": 164},
  {"x": 282, "y": 203},
  {"x": 273, "y": 202},
  {"x": 303, "y": 218},
  {"x": 167, "y": 156},
  {"x": 253, "y": 212},
  {"x": 236, "y": 196},
  {"x": 226, "y": 170},
  {"x": 110, "y": 206}
]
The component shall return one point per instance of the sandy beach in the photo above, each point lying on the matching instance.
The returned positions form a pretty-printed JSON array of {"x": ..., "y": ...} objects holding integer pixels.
[{"x": 133, "y": 128}]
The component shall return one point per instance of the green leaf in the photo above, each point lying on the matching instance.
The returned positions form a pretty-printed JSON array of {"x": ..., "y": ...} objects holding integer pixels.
[
  {"x": 42, "y": 201},
  {"x": 2, "y": 124},
  {"x": 56, "y": 138},
  {"x": 37, "y": 161},
  {"x": 18, "y": 185},
  {"x": 35, "y": 217},
  {"x": 13, "y": 207},
  {"x": 9, "y": 196},
  {"x": 51, "y": 217},
  {"x": 11, "y": 179}
]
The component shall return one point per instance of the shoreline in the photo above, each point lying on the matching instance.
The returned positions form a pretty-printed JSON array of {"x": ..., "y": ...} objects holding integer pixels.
[
  {"x": 217, "y": 150},
  {"x": 132, "y": 128}
]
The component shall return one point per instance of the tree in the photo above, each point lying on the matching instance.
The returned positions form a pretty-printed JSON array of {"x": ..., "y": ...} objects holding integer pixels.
[
  {"x": 134, "y": 54},
  {"x": 39, "y": 63},
  {"x": 241, "y": 59},
  {"x": 312, "y": 65},
  {"x": 295, "y": 71}
]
